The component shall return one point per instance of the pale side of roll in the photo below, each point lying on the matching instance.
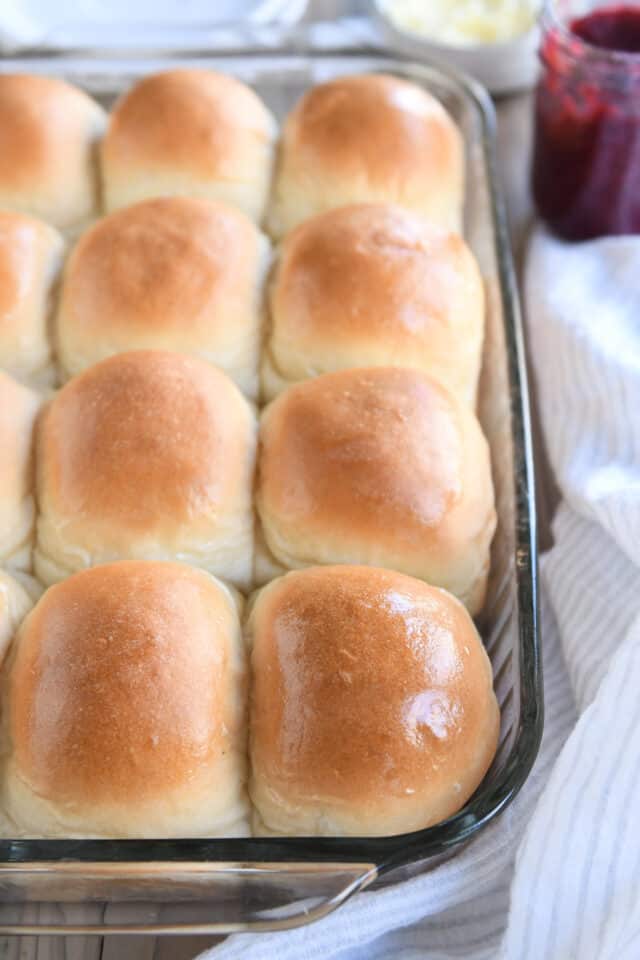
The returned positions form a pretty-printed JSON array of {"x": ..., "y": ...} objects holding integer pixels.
[
  {"x": 19, "y": 408},
  {"x": 372, "y": 705},
  {"x": 31, "y": 255},
  {"x": 15, "y": 603}
]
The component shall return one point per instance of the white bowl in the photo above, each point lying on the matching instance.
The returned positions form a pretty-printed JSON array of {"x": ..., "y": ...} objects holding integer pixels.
[
  {"x": 147, "y": 24},
  {"x": 502, "y": 67}
]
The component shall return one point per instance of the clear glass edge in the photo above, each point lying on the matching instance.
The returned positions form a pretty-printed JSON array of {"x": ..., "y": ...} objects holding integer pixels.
[
  {"x": 375, "y": 855},
  {"x": 347, "y": 882}
]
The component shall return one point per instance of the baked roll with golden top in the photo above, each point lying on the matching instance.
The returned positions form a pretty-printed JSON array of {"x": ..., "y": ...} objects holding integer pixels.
[
  {"x": 175, "y": 273},
  {"x": 15, "y": 603},
  {"x": 368, "y": 138},
  {"x": 190, "y": 132},
  {"x": 49, "y": 133},
  {"x": 30, "y": 260},
  {"x": 374, "y": 285},
  {"x": 19, "y": 408},
  {"x": 372, "y": 705},
  {"x": 380, "y": 466},
  {"x": 148, "y": 455},
  {"x": 125, "y": 708}
]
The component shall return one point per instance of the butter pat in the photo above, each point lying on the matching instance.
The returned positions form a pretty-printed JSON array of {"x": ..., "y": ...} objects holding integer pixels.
[{"x": 464, "y": 22}]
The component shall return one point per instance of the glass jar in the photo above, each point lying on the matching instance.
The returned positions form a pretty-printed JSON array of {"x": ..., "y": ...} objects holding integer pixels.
[{"x": 586, "y": 165}]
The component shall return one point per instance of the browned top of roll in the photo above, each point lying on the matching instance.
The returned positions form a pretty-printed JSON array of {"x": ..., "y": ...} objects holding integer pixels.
[
  {"x": 146, "y": 439},
  {"x": 117, "y": 684},
  {"x": 402, "y": 126},
  {"x": 160, "y": 265},
  {"x": 186, "y": 118},
  {"x": 369, "y": 685},
  {"x": 375, "y": 454},
  {"x": 367, "y": 270},
  {"x": 42, "y": 120}
]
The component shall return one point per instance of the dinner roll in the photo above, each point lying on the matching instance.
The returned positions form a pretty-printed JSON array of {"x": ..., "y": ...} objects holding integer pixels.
[
  {"x": 18, "y": 410},
  {"x": 374, "y": 284},
  {"x": 381, "y": 466},
  {"x": 193, "y": 132},
  {"x": 49, "y": 132},
  {"x": 125, "y": 704},
  {"x": 368, "y": 138},
  {"x": 372, "y": 705},
  {"x": 146, "y": 456},
  {"x": 14, "y": 606},
  {"x": 175, "y": 273},
  {"x": 30, "y": 258}
]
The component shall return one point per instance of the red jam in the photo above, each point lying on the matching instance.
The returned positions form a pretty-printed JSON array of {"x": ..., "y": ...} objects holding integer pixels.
[
  {"x": 586, "y": 168},
  {"x": 616, "y": 28}
]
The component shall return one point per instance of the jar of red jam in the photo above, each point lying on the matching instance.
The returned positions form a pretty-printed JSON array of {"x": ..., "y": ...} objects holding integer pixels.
[{"x": 586, "y": 166}]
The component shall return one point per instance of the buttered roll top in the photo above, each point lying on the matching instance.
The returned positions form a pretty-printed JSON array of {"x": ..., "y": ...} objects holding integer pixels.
[
  {"x": 125, "y": 707},
  {"x": 372, "y": 706}
]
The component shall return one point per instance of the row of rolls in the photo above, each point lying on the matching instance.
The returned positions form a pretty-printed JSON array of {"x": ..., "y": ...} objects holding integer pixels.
[
  {"x": 204, "y": 134},
  {"x": 238, "y": 446}
]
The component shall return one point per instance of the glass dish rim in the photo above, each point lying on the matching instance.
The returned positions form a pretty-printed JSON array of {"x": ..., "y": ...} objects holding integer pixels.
[{"x": 385, "y": 853}]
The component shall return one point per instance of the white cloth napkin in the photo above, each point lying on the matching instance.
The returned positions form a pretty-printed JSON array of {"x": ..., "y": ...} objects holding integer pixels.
[{"x": 557, "y": 877}]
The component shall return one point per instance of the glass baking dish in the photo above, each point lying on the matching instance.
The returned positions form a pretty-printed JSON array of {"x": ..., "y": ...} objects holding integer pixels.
[{"x": 202, "y": 886}]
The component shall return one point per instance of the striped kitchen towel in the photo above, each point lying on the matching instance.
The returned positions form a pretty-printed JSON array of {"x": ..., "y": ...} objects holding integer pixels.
[{"x": 557, "y": 877}]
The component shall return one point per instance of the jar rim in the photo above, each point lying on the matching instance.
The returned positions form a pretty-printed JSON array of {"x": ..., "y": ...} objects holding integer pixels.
[{"x": 577, "y": 46}]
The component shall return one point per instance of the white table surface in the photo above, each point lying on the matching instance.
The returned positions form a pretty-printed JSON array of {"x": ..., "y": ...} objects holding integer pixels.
[{"x": 514, "y": 138}]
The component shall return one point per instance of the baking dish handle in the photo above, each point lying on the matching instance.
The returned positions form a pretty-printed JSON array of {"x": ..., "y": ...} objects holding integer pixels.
[{"x": 172, "y": 898}]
